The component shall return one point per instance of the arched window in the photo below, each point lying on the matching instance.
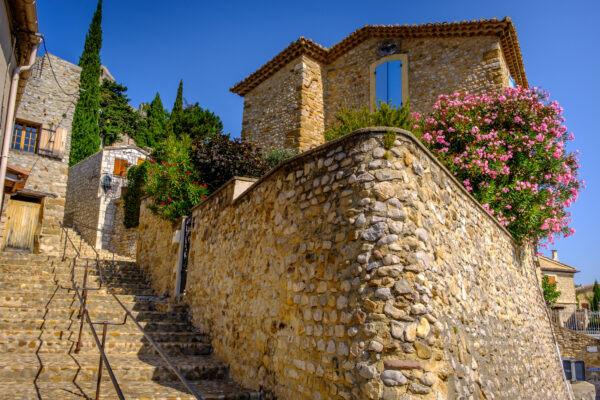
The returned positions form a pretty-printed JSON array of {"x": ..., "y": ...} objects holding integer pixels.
[{"x": 389, "y": 80}]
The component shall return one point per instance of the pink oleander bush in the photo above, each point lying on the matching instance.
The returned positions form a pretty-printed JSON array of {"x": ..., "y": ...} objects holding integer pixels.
[
  {"x": 172, "y": 182},
  {"x": 508, "y": 148}
]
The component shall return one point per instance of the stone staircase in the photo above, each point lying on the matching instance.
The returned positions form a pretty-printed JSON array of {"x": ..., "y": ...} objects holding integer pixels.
[
  {"x": 39, "y": 328},
  {"x": 85, "y": 249}
]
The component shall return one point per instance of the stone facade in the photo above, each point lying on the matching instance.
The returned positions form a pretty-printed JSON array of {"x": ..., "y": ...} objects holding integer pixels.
[
  {"x": 44, "y": 104},
  {"x": 93, "y": 190},
  {"x": 123, "y": 241},
  {"x": 293, "y": 98},
  {"x": 564, "y": 276},
  {"x": 344, "y": 275}
]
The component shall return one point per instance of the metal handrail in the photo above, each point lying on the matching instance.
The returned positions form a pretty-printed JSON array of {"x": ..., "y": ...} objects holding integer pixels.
[{"x": 128, "y": 313}]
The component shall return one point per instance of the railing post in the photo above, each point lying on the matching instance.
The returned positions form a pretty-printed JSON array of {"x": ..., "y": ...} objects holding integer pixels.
[
  {"x": 99, "y": 383},
  {"x": 82, "y": 310},
  {"x": 65, "y": 248}
]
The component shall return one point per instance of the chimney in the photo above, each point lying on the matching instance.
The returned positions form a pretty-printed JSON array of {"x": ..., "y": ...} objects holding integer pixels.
[{"x": 555, "y": 255}]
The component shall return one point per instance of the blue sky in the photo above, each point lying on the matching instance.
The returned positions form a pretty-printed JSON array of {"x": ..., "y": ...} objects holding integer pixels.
[{"x": 150, "y": 45}]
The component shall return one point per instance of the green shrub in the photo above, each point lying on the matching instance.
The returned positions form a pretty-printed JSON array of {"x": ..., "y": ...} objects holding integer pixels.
[
  {"x": 275, "y": 156},
  {"x": 218, "y": 158},
  {"x": 136, "y": 179},
  {"x": 349, "y": 120}
]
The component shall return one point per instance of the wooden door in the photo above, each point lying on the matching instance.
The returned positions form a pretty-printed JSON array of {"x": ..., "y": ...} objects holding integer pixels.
[{"x": 21, "y": 224}]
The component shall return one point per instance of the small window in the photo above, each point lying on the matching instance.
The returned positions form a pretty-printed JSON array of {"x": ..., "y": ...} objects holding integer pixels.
[
  {"x": 389, "y": 81},
  {"x": 25, "y": 137},
  {"x": 121, "y": 167},
  {"x": 551, "y": 279}
]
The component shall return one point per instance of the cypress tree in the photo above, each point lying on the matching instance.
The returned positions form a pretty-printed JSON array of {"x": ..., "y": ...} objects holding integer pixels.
[
  {"x": 177, "y": 111},
  {"x": 85, "y": 137},
  {"x": 156, "y": 122},
  {"x": 595, "y": 303}
]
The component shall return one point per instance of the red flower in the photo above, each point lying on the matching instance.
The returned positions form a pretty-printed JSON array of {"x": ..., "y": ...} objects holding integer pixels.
[{"x": 162, "y": 204}]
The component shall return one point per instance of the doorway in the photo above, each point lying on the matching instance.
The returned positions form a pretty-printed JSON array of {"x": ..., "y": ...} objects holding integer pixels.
[{"x": 22, "y": 220}]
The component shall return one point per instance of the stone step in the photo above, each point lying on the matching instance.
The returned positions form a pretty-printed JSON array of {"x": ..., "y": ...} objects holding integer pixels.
[
  {"x": 137, "y": 289},
  {"x": 83, "y": 368},
  {"x": 113, "y": 314},
  {"x": 222, "y": 389},
  {"x": 59, "y": 324},
  {"x": 88, "y": 346}
]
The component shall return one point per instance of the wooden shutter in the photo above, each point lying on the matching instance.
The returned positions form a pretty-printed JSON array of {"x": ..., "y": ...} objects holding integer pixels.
[
  {"x": 60, "y": 137},
  {"x": 551, "y": 279},
  {"x": 45, "y": 140},
  {"x": 140, "y": 161},
  {"x": 120, "y": 167}
]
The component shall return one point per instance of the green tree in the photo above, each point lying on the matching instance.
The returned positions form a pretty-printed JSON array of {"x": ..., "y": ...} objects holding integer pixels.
[
  {"x": 197, "y": 123},
  {"x": 137, "y": 176},
  {"x": 177, "y": 111},
  {"x": 153, "y": 129},
  {"x": 595, "y": 299},
  {"x": 117, "y": 115},
  {"x": 85, "y": 137},
  {"x": 550, "y": 292}
]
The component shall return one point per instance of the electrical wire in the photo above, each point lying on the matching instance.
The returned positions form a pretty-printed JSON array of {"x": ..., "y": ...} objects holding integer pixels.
[{"x": 52, "y": 69}]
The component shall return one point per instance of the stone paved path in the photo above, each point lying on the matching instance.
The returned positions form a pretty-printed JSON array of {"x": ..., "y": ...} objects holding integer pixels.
[{"x": 39, "y": 326}]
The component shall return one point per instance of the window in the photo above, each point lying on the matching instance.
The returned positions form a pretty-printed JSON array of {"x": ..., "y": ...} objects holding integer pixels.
[
  {"x": 389, "y": 80},
  {"x": 25, "y": 137},
  {"x": 121, "y": 167},
  {"x": 388, "y": 83},
  {"x": 551, "y": 279}
]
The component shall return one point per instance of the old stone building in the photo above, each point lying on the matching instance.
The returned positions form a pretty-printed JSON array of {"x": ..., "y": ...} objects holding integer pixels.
[
  {"x": 564, "y": 276},
  {"x": 40, "y": 146},
  {"x": 293, "y": 98},
  {"x": 95, "y": 185}
]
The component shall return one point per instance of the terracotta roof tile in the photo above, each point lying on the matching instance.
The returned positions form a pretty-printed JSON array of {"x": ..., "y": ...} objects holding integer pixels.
[
  {"x": 548, "y": 264},
  {"x": 504, "y": 29}
]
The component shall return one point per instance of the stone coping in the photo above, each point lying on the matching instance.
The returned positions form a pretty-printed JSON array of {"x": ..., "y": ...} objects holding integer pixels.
[
  {"x": 504, "y": 29},
  {"x": 324, "y": 148}
]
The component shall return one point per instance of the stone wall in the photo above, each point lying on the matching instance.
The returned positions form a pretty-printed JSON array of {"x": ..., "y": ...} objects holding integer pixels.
[
  {"x": 83, "y": 197},
  {"x": 123, "y": 241},
  {"x": 435, "y": 67},
  {"x": 270, "y": 112},
  {"x": 157, "y": 252},
  {"x": 293, "y": 107},
  {"x": 43, "y": 102},
  {"x": 344, "y": 275}
]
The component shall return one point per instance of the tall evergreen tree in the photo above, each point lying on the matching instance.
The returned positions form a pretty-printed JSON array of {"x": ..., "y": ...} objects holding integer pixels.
[
  {"x": 177, "y": 111},
  {"x": 85, "y": 137},
  {"x": 117, "y": 115},
  {"x": 153, "y": 129},
  {"x": 595, "y": 303}
]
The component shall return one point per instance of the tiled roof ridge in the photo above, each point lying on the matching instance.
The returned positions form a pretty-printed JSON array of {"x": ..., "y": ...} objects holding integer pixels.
[
  {"x": 503, "y": 28},
  {"x": 584, "y": 287},
  {"x": 559, "y": 265}
]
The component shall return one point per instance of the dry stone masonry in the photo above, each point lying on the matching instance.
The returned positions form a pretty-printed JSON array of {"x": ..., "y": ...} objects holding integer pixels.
[
  {"x": 348, "y": 274},
  {"x": 44, "y": 103}
]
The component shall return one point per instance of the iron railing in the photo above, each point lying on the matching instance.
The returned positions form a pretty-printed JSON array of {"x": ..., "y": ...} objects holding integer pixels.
[
  {"x": 85, "y": 316},
  {"x": 584, "y": 321}
]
